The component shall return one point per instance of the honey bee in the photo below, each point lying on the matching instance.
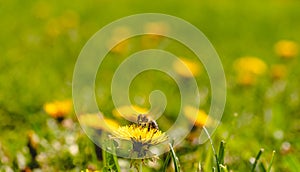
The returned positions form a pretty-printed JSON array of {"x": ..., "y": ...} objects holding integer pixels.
[{"x": 144, "y": 121}]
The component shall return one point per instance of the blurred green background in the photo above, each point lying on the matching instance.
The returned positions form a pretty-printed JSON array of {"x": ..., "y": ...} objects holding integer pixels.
[{"x": 40, "y": 42}]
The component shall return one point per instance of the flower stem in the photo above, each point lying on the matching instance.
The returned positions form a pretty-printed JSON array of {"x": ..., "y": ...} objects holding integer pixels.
[{"x": 140, "y": 166}]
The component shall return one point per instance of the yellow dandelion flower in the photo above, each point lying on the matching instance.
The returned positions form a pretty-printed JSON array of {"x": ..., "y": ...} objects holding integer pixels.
[
  {"x": 286, "y": 49},
  {"x": 202, "y": 118},
  {"x": 278, "y": 71},
  {"x": 248, "y": 69},
  {"x": 140, "y": 134},
  {"x": 186, "y": 68},
  {"x": 58, "y": 109},
  {"x": 94, "y": 121},
  {"x": 142, "y": 138}
]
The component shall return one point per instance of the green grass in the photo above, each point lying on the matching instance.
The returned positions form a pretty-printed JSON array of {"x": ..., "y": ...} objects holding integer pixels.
[{"x": 36, "y": 67}]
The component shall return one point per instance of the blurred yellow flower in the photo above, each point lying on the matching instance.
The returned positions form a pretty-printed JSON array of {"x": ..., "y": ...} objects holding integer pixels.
[
  {"x": 158, "y": 28},
  {"x": 246, "y": 79},
  {"x": 286, "y": 49},
  {"x": 94, "y": 121},
  {"x": 202, "y": 119},
  {"x": 155, "y": 32},
  {"x": 250, "y": 64},
  {"x": 186, "y": 68},
  {"x": 141, "y": 137},
  {"x": 87, "y": 170},
  {"x": 69, "y": 20},
  {"x": 129, "y": 112},
  {"x": 58, "y": 109},
  {"x": 117, "y": 35},
  {"x": 278, "y": 71},
  {"x": 63, "y": 24},
  {"x": 33, "y": 139},
  {"x": 248, "y": 69},
  {"x": 53, "y": 28}
]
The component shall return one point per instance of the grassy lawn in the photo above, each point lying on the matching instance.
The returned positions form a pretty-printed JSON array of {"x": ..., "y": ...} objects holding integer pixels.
[{"x": 41, "y": 40}]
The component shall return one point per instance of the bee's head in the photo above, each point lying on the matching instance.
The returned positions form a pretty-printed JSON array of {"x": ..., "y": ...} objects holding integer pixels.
[{"x": 142, "y": 118}]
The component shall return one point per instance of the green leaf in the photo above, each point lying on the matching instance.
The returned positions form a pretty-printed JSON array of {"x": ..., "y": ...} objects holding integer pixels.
[{"x": 110, "y": 160}]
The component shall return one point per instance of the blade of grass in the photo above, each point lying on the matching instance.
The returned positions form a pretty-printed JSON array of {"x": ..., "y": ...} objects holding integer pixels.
[
  {"x": 262, "y": 167},
  {"x": 292, "y": 162},
  {"x": 223, "y": 168},
  {"x": 166, "y": 163},
  {"x": 199, "y": 169},
  {"x": 271, "y": 163},
  {"x": 256, "y": 159},
  {"x": 175, "y": 159},
  {"x": 221, "y": 152},
  {"x": 208, "y": 163},
  {"x": 212, "y": 146}
]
